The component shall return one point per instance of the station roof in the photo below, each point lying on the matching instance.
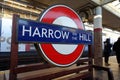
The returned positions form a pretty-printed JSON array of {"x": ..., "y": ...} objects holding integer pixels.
[
  {"x": 110, "y": 19},
  {"x": 85, "y": 8}
]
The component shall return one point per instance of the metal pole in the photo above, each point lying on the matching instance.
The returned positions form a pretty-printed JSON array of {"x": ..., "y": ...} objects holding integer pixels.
[
  {"x": 14, "y": 50},
  {"x": 98, "y": 37},
  {"x": 98, "y": 41}
]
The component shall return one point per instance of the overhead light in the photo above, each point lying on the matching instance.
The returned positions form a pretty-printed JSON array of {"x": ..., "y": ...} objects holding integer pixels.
[
  {"x": 14, "y": 2},
  {"x": 21, "y": 6}
]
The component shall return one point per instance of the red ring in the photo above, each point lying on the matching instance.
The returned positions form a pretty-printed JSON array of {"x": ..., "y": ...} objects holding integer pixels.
[{"x": 48, "y": 50}]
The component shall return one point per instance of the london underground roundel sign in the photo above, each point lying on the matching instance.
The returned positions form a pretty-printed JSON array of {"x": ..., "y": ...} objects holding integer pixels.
[{"x": 61, "y": 54}]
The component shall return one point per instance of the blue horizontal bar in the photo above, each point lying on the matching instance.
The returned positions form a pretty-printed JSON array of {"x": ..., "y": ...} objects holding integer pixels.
[{"x": 33, "y": 31}]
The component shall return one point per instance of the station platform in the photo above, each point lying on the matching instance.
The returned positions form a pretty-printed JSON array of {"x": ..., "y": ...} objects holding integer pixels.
[
  {"x": 114, "y": 68},
  {"x": 4, "y": 75}
]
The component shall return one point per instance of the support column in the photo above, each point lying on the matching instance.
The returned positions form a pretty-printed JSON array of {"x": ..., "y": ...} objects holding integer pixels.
[{"x": 98, "y": 37}]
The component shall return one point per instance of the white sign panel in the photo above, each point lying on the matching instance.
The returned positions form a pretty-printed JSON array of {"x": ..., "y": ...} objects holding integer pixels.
[{"x": 5, "y": 38}]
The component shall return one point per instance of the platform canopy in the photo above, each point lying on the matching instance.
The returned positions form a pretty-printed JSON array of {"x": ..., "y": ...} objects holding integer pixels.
[{"x": 86, "y": 9}]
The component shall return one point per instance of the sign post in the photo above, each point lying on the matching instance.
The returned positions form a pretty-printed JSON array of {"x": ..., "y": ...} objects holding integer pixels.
[
  {"x": 14, "y": 50},
  {"x": 37, "y": 32},
  {"x": 67, "y": 53},
  {"x": 59, "y": 35}
]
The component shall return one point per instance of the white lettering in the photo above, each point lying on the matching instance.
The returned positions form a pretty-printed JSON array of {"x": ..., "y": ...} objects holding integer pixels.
[
  {"x": 65, "y": 35},
  {"x": 80, "y": 37},
  {"x": 84, "y": 37},
  {"x": 44, "y": 32},
  {"x": 26, "y": 30},
  {"x": 57, "y": 34},
  {"x": 36, "y": 32},
  {"x": 50, "y": 33},
  {"x": 88, "y": 37}
]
